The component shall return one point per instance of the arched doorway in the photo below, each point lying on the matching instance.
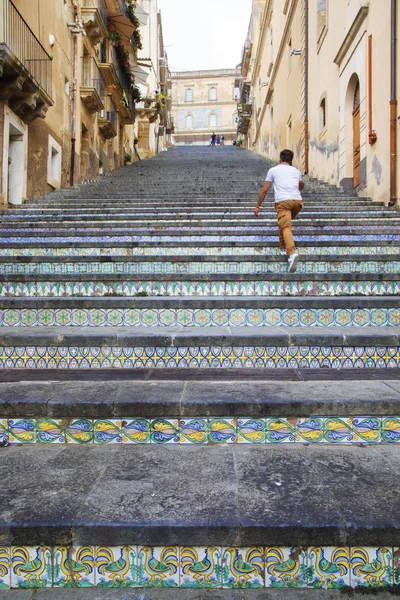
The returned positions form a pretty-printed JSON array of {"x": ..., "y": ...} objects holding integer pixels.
[
  {"x": 356, "y": 136},
  {"x": 352, "y": 135}
]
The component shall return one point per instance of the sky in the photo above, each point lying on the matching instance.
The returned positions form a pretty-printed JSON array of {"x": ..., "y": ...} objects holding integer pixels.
[{"x": 204, "y": 34}]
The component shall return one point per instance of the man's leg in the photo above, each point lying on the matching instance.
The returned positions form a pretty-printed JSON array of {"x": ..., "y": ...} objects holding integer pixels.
[
  {"x": 296, "y": 206},
  {"x": 284, "y": 212}
]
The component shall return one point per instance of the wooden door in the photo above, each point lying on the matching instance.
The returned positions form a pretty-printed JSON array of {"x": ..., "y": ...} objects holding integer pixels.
[{"x": 356, "y": 138}]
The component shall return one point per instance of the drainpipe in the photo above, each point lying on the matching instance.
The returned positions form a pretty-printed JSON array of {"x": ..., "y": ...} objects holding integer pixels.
[
  {"x": 74, "y": 96},
  {"x": 393, "y": 106},
  {"x": 306, "y": 77},
  {"x": 372, "y": 137}
]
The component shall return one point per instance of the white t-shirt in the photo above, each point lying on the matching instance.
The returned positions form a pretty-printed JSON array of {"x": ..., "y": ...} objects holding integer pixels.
[{"x": 286, "y": 182}]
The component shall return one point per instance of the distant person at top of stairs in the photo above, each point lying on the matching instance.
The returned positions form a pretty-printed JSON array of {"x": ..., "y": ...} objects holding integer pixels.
[
  {"x": 213, "y": 139},
  {"x": 288, "y": 183}
]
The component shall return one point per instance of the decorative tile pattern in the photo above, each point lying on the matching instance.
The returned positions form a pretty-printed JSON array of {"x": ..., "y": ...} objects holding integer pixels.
[
  {"x": 285, "y": 567},
  {"x": 160, "y": 287},
  {"x": 295, "y": 357},
  {"x": 74, "y": 567},
  {"x": 328, "y": 568},
  {"x": 204, "y": 430},
  {"x": 200, "y": 567},
  {"x": 5, "y": 568},
  {"x": 158, "y": 566},
  {"x": 196, "y": 250},
  {"x": 32, "y": 567},
  {"x": 371, "y": 567},
  {"x": 116, "y": 566},
  {"x": 197, "y": 268},
  {"x": 243, "y": 568},
  {"x": 187, "y": 317}
]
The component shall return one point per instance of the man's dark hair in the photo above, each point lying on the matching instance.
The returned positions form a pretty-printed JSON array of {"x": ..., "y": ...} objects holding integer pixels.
[{"x": 286, "y": 156}]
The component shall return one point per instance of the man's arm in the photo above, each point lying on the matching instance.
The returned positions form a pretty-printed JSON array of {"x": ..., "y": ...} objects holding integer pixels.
[
  {"x": 261, "y": 197},
  {"x": 301, "y": 185}
]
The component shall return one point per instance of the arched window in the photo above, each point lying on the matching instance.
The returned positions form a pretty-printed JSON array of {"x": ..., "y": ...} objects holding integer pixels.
[
  {"x": 189, "y": 122},
  {"x": 213, "y": 120},
  {"x": 189, "y": 95},
  {"x": 322, "y": 114},
  {"x": 213, "y": 93}
]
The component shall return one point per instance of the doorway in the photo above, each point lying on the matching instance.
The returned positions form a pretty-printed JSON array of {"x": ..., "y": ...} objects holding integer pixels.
[
  {"x": 356, "y": 136},
  {"x": 16, "y": 166}
]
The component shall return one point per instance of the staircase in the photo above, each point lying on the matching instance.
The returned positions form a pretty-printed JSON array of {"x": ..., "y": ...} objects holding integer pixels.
[{"x": 178, "y": 412}]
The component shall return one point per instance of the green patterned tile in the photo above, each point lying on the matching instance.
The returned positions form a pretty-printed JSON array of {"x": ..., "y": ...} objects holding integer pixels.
[
  {"x": 367, "y": 429},
  {"x": 200, "y": 567},
  {"x": 74, "y": 567},
  {"x": 22, "y": 431},
  {"x": 328, "y": 568},
  {"x": 251, "y": 431},
  {"x": 339, "y": 430},
  {"x": 222, "y": 430},
  {"x": 158, "y": 566},
  {"x": 165, "y": 431},
  {"x": 5, "y": 568},
  {"x": 107, "y": 431},
  {"x": 116, "y": 567},
  {"x": 50, "y": 431},
  {"x": 391, "y": 430},
  {"x": 243, "y": 568},
  {"x": 79, "y": 431},
  {"x": 136, "y": 431},
  {"x": 31, "y": 567},
  {"x": 281, "y": 431},
  {"x": 310, "y": 430},
  {"x": 193, "y": 431},
  {"x": 285, "y": 567}
]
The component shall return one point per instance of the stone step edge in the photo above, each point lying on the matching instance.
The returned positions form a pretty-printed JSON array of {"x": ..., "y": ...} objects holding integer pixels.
[
  {"x": 201, "y": 258},
  {"x": 114, "y": 398},
  {"x": 206, "y": 302},
  {"x": 189, "y": 243},
  {"x": 162, "y": 278},
  {"x": 225, "y": 336}
]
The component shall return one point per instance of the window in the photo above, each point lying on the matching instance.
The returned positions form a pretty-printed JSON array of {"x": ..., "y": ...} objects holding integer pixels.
[
  {"x": 289, "y": 133},
  {"x": 189, "y": 95},
  {"x": 322, "y": 19},
  {"x": 236, "y": 93},
  {"x": 54, "y": 164},
  {"x": 213, "y": 93},
  {"x": 322, "y": 114},
  {"x": 189, "y": 122},
  {"x": 66, "y": 86},
  {"x": 290, "y": 55},
  {"x": 213, "y": 120},
  {"x": 236, "y": 119}
]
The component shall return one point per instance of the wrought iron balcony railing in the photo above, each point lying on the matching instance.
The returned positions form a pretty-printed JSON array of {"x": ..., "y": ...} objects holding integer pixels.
[
  {"x": 17, "y": 36},
  {"x": 91, "y": 76}
]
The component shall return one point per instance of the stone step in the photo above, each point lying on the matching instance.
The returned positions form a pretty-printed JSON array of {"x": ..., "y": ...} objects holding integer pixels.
[
  {"x": 253, "y": 347},
  {"x": 351, "y": 311},
  {"x": 228, "y": 249},
  {"x": 177, "y": 394},
  {"x": 162, "y": 265},
  {"x": 193, "y": 224},
  {"x": 303, "y": 284},
  {"x": 176, "y": 211},
  {"x": 229, "y": 495}
]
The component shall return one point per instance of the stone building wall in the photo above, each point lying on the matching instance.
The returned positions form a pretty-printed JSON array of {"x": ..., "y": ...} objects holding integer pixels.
[{"x": 338, "y": 70}]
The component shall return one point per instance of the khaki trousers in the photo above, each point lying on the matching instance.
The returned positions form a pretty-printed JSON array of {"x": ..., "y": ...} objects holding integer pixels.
[{"x": 286, "y": 211}]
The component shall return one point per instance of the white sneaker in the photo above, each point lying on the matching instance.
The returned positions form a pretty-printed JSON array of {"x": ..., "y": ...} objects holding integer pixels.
[
  {"x": 292, "y": 262},
  {"x": 283, "y": 252}
]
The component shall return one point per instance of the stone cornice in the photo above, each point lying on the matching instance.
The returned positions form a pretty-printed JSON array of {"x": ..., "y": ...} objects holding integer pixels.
[
  {"x": 351, "y": 34},
  {"x": 205, "y": 74}
]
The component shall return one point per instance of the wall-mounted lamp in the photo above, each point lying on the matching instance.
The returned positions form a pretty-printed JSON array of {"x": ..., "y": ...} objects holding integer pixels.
[
  {"x": 296, "y": 52},
  {"x": 52, "y": 40}
]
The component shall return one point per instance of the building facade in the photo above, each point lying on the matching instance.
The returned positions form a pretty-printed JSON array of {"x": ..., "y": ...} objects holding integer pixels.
[
  {"x": 68, "y": 91},
  {"x": 320, "y": 76},
  {"x": 204, "y": 102},
  {"x": 153, "y": 128}
]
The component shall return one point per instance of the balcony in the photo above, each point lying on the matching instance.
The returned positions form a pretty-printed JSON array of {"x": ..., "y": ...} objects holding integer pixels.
[
  {"x": 244, "y": 113},
  {"x": 120, "y": 19},
  {"x": 106, "y": 66},
  {"x": 94, "y": 16},
  {"x": 92, "y": 86},
  {"x": 25, "y": 66},
  {"x": 108, "y": 124}
]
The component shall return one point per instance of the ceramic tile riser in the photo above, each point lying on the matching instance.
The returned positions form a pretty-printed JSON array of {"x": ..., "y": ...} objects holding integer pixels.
[{"x": 180, "y": 412}]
